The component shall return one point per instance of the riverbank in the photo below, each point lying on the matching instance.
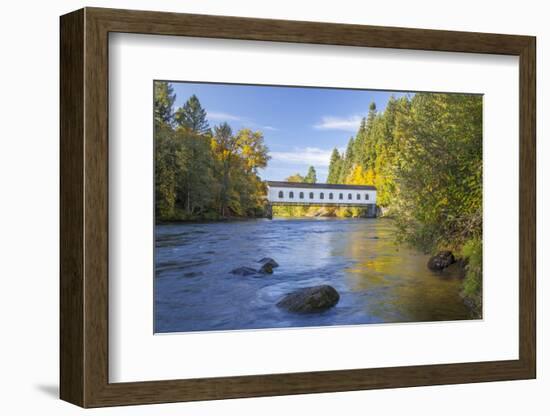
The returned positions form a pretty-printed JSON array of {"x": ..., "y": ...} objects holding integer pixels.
[
  {"x": 204, "y": 218},
  {"x": 319, "y": 211}
]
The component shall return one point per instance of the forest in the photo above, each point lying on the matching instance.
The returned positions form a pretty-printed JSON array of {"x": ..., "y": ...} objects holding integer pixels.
[{"x": 204, "y": 173}]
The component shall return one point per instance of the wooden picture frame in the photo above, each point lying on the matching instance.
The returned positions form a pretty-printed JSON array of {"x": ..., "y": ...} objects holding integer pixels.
[{"x": 84, "y": 207}]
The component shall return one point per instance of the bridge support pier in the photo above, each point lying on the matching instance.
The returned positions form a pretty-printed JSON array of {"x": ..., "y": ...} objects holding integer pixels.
[{"x": 370, "y": 211}]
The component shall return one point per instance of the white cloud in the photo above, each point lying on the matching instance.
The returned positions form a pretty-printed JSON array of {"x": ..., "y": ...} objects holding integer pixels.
[
  {"x": 351, "y": 123},
  {"x": 222, "y": 116},
  {"x": 303, "y": 156},
  {"x": 214, "y": 115}
]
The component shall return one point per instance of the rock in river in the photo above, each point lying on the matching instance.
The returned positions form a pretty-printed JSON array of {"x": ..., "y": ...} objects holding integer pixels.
[
  {"x": 310, "y": 299},
  {"x": 266, "y": 268},
  {"x": 270, "y": 261},
  {"x": 244, "y": 271},
  {"x": 441, "y": 260}
]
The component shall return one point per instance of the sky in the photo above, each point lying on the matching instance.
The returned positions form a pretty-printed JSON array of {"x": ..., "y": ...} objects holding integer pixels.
[{"x": 301, "y": 126}]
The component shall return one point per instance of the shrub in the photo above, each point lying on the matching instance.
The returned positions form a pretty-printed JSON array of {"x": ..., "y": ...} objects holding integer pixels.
[{"x": 473, "y": 283}]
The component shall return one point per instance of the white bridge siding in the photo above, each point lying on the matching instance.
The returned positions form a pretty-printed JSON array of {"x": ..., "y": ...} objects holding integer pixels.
[{"x": 320, "y": 194}]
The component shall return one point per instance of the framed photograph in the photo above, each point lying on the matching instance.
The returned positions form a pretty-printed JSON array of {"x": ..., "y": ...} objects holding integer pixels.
[{"x": 254, "y": 207}]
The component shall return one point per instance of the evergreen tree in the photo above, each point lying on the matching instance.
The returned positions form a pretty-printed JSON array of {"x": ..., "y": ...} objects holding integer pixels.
[
  {"x": 224, "y": 145},
  {"x": 311, "y": 176},
  {"x": 366, "y": 156},
  {"x": 194, "y": 171},
  {"x": 165, "y": 173},
  {"x": 192, "y": 116},
  {"x": 371, "y": 116},
  {"x": 334, "y": 167},
  {"x": 360, "y": 142},
  {"x": 347, "y": 162},
  {"x": 164, "y": 98}
]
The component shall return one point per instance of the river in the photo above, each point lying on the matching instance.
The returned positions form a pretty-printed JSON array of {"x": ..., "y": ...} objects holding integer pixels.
[{"x": 378, "y": 281}]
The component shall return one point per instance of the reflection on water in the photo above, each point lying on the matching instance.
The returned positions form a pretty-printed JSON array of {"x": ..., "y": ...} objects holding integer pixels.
[{"x": 378, "y": 281}]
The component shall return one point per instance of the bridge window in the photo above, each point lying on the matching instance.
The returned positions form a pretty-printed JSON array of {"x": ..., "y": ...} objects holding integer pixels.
[
  {"x": 367, "y": 197},
  {"x": 330, "y": 196},
  {"x": 322, "y": 195},
  {"x": 358, "y": 196},
  {"x": 349, "y": 196},
  {"x": 341, "y": 196},
  {"x": 291, "y": 194},
  {"x": 311, "y": 195},
  {"x": 281, "y": 195},
  {"x": 301, "y": 195}
]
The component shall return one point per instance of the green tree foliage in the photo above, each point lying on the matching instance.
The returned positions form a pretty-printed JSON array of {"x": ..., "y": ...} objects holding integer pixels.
[
  {"x": 224, "y": 147},
  {"x": 192, "y": 116},
  {"x": 238, "y": 159},
  {"x": 183, "y": 173},
  {"x": 311, "y": 176},
  {"x": 347, "y": 161},
  {"x": 439, "y": 172},
  {"x": 472, "y": 288},
  {"x": 200, "y": 175},
  {"x": 295, "y": 178},
  {"x": 165, "y": 168},
  {"x": 334, "y": 167},
  {"x": 195, "y": 178},
  {"x": 164, "y": 99}
]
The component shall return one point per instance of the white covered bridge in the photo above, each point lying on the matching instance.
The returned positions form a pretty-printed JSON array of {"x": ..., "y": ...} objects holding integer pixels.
[{"x": 322, "y": 194}]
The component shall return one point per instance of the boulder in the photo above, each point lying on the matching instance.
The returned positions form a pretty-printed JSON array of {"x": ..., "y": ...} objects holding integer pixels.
[
  {"x": 441, "y": 260},
  {"x": 270, "y": 261},
  {"x": 462, "y": 262},
  {"x": 266, "y": 268},
  {"x": 244, "y": 271},
  {"x": 192, "y": 274},
  {"x": 310, "y": 299}
]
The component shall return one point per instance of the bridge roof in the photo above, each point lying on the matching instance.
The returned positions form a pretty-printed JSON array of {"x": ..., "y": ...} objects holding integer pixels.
[{"x": 281, "y": 184}]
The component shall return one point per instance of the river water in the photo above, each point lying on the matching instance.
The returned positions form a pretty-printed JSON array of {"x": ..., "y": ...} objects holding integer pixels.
[{"x": 378, "y": 281}]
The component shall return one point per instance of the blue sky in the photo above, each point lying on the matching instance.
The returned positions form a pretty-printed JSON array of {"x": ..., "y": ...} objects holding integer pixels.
[{"x": 301, "y": 126}]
